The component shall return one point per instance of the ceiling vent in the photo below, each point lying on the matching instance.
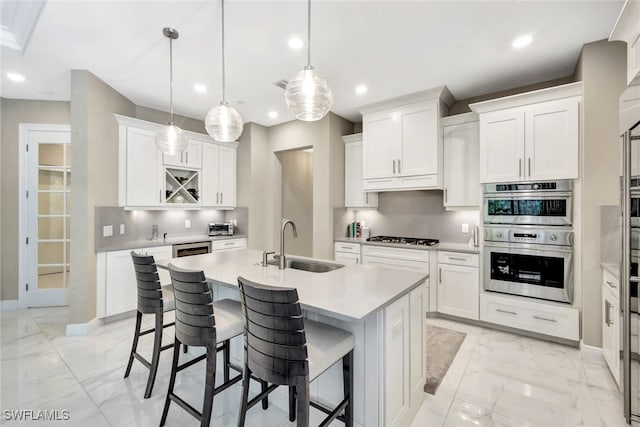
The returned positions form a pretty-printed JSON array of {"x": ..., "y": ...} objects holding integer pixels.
[{"x": 282, "y": 84}]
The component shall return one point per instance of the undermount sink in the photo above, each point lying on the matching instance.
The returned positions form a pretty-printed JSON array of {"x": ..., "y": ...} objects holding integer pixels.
[{"x": 306, "y": 265}]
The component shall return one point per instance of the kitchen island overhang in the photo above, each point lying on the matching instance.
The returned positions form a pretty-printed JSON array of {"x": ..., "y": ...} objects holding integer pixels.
[{"x": 384, "y": 308}]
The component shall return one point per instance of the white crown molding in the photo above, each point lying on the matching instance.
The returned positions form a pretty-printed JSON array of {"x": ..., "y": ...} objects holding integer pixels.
[{"x": 527, "y": 98}]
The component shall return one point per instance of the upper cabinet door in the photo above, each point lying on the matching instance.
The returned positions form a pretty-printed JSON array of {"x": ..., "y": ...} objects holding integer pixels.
[
  {"x": 227, "y": 178},
  {"x": 502, "y": 146},
  {"x": 381, "y": 149},
  {"x": 209, "y": 194},
  {"x": 143, "y": 169},
  {"x": 190, "y": 157},
  {"x": 461, "y": 178},
  {"x": 420, "y": 140},
  {"x": 552, "y": 140}
]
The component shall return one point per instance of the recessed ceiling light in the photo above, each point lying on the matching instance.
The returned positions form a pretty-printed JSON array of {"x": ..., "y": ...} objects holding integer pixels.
[
  {"x": 361, "y": 89},
  {"x": 273, "y": 114},
  {"x": 522, "y": 41},
  {"x": 15, "y": 77},
  {"x": 295, "y": 43},
  {"x": 200, "y": 88}
]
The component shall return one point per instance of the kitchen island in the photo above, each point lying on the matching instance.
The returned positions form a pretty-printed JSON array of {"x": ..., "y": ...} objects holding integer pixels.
[{"x": 383, "y": 307}]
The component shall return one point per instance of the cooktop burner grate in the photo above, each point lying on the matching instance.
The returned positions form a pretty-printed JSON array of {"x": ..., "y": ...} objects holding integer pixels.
[{"x": 404, "y": 240}]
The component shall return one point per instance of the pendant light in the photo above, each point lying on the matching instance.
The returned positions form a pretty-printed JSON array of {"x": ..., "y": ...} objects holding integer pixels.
[
  {"x": 308, "y": 94},
  {"x": 223, "y": 122},
  {"x": 171, "y": 139}
]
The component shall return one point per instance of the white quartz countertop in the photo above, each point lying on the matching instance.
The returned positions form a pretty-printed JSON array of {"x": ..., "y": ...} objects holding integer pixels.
[
  {"x": 442, "y": 246},
  {"x": 350, "y": 293},
  {"x": 147, "y": 243}
]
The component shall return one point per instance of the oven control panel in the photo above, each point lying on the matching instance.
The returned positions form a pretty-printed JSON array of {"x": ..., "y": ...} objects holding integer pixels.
[{"x": 561, "y": 236}]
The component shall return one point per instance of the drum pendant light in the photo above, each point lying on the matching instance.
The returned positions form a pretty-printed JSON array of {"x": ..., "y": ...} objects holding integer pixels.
[
  {"x": 308, "y": 94},
  {"x": 171, "y": 139},
  {"x": 223, "y": 122}
]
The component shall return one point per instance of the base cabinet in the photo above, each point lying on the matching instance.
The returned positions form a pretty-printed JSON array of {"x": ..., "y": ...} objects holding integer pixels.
[
  {"x": 459, "y": 285},
  {"x": 404, "y": 357},
  {"x": 347, "y": 253},
  {"x": 611, "y": 324}
]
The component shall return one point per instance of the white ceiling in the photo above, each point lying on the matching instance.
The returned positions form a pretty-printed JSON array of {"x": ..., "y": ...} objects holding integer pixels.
[{"x": 393, "y": 47}]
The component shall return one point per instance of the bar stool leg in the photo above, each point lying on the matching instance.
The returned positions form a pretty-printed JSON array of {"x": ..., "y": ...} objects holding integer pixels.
[
  {"x": 263, "y": 387},
  {"x": 210, "y": 385},
  {"x": 246, "y": 379},
  {"x": 226, "y": 356},
  {"x": 172, "y": 380},
  {"x": 155, "y": 357},
  {"x": 347, "y": 381},
  {"x": 292, "y": 403},
  {"x": 302, "y": 401},
  {"x": 134, "y": 347}
]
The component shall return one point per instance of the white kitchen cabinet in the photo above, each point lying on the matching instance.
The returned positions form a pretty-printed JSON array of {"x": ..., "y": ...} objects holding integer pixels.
[
  {"x": 627, "y": 29},
  {"x": 228, "y": 244},
  {"x": 404, "y": 357},
  {"x": 611, "y": 324},
  {"x": 120, "y": 291},
  {"x": 141, "y": 167},
  {"x": 218, "y": 175},
  {"x": 402, "y": 143},
  {"x": 396, "y": 362},
  {"x": 458, "y": 284},
  {"x": 532, "y": 136},
  {"x": 402, "y": 259},
  {"x": 460, "y": 138},
  {"x": 354, "y": 195},
  {"x": 346, "y": 253},
  {"x": 189, "y": 158},
  {"x": 548, "y": 318}
]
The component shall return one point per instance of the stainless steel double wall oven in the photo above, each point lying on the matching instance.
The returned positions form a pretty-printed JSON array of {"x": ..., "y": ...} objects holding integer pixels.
[{"x": 528, "y": 239}]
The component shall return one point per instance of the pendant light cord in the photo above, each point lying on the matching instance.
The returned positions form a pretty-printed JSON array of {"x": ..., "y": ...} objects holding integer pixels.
[
  {"x": 224, "y": 98},
  {"x": 308, "y": 33},
  {"x": 171, "y": 81}
]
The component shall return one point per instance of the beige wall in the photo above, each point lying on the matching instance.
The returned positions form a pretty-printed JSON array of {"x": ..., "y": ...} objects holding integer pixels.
[
  {"x": 602, "y": 69},
  {"x": 13, "y": 112},
  {"x": 297, "y": 199},
  {"x": 94, "y": 149}
]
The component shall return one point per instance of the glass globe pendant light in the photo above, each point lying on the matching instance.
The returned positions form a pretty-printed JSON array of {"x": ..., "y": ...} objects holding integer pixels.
[
  {"x": 223, "y": 122},
  {"x": 308, "y": 94},
  {"x": 171, "y": 139}
]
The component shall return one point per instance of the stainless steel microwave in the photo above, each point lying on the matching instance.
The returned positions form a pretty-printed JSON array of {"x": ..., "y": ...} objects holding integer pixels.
[{"x": 220, "y": 229}]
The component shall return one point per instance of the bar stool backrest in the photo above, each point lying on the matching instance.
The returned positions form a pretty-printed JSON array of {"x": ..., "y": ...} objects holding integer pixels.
[
  {"x": 195, "y": 322},
  {"x": 275, "y": 341},
  {"x": 148, "y": 282}
]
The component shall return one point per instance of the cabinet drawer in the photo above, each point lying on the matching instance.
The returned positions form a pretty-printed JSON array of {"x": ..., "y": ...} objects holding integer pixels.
[
  {"x": 353, "y": 248},
  {"x": 557, "y": 321},
  {"x": 396, "y": 253},
  {"x": 221, "y": 245},
  {"x": 380, "y": 184},
  {"x": 611, "y": 282},
  {"x": 457, "y": 258},
  {"x": 420, "y": 181},
  {"x": 400, "y": 264}
]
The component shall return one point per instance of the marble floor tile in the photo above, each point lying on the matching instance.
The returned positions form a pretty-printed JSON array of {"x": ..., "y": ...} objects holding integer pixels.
[{"x": 496, "y": 379}]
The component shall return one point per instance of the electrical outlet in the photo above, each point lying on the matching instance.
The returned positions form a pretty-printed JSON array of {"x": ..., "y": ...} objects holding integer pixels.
[
  {"x": 121, "y": 228},
  {"x": 465, "y": 228},
  {"x": 234, "y": 221},
  {"x": 187, "y": 223},
  {"x": 107, "y": 231}
]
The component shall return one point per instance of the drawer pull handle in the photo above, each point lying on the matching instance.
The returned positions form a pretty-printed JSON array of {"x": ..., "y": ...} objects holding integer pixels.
[
  {"x": 346, "y": 247},
  {"x": 607, "y": 313},
  {"x": 506, "y": 311},
  {"x": 229, "y": 244},
  {"x": 545, "y": 319},
  {"x": 457, "y": 258},
  {"x": 611, "y": 284}
]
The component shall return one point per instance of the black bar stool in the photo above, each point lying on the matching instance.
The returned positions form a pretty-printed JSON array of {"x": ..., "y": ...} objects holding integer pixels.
[
  {"x": 282, "y": 348},
  {"x": 201, "y": 323},
  {"x": 153, "y": 298}
]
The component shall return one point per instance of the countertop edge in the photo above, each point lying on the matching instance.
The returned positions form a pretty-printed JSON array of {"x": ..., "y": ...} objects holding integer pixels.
[
  {"x": 442, "y": 246},
  {"x": 174, "y": 241}
]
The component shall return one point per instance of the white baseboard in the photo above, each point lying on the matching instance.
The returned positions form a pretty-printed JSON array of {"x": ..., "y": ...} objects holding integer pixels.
[
  {"x": 79, "y": 329},
  {"x": 9, "y": 304},
  {"x": 590, "y": 350}
]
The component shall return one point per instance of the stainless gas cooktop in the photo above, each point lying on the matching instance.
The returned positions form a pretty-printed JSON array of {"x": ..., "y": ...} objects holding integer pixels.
[{"x": 404, "y": 240}]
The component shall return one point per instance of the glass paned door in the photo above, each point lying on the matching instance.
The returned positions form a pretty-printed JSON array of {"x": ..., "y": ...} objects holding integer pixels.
[{"x": 48, "y": 215}]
